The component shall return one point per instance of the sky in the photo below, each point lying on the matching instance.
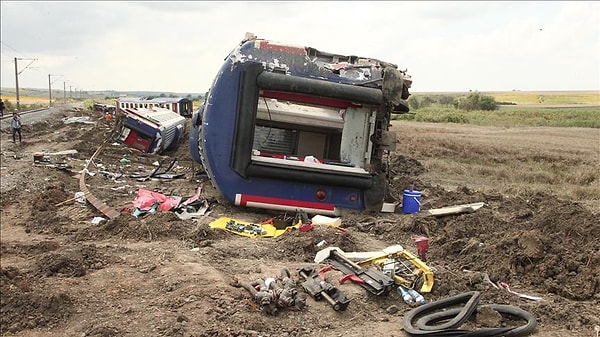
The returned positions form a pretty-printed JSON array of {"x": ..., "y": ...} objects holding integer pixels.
[{"x": 171, "y": 46}]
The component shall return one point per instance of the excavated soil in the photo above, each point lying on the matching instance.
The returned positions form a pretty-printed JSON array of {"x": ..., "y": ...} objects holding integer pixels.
[{"x": 158, "y": 275}]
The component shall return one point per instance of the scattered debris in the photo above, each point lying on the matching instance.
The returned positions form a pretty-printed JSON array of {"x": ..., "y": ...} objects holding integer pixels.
[
  {"x": 79, "y": 197},
  {"x": 450, "y": 210},
  {"x": 389, "y": 207},
  {"x": 197, "y": 209},
  {"x": 157, "y": 173},
  {"x": 484, "y": 276},
  {"x": 325, "y": 220},
  {"x": 317, "y": 286},
  {"x": 73, "y": 120},
  {"x": 396, "y": 262},
  {"x": 329, "y": 221},
  {"x": 272, "y": 294},
  {"x": 250, "y": 229},
  {"x": 98, "y": 204},
  {"x": 410, "y": 296},
  {"x": 505, "y": 286},
  {"x": 422, "y": 247},
  {"x": 97, "y": 219},
  {"x": 147, "y": 201},
  {"x": 371, "y": 278}
]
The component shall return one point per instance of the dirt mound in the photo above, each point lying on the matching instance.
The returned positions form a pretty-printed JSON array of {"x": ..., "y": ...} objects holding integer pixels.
[
  {"x": 27, "y": 305},
  {"x": 74, "y": 262}
]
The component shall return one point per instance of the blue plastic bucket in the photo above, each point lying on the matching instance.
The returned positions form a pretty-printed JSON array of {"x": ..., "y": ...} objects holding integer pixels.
[{"x": 411, "y": 202}]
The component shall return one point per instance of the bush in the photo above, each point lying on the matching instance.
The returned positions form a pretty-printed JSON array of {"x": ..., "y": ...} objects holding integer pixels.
[
  {"x": 413, "y": 102},
  {"x": 88, "y": 104},
  {"x": 446, "y": 100},
  {"x": 476, "y": 101}
]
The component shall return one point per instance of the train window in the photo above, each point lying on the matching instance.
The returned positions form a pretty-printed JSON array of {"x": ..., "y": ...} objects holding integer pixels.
[
  {"x": 274, "y": 140},
  {"x": 328, "y": 134}
]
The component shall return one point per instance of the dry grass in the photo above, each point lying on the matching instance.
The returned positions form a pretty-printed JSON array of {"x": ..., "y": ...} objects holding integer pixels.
[
  {"x": 564, "y": 161},
  {"x": 27, "y": 99},
  {"x": 548, "y": 97}
]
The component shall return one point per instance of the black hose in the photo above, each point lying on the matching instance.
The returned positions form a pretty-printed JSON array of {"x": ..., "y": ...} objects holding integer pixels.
[
  {"x": 470, "y": 298},
  {"x": 523, "y": 330},
  {"x": 426, "y": 318}
]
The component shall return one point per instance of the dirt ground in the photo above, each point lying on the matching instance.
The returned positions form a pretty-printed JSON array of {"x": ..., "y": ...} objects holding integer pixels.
[{"x": 158, "y": 275}]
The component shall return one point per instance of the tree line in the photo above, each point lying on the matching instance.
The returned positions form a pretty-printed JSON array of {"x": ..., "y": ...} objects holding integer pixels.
[{"x": 472, "y": 101}]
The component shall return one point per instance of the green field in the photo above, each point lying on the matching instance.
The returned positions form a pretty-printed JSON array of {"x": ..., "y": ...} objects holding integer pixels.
[
  {"x": 538, "y": 98},
  {"x": 543, "y": 108}
]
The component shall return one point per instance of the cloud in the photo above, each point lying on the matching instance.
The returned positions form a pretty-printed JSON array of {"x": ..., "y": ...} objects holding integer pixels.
[{"x": 180, "y": 46}]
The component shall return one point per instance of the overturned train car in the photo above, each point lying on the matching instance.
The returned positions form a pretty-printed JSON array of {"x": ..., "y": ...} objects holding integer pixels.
[
  {"x": 288, "y": 127},
  {"x": 150, "y": 130}
]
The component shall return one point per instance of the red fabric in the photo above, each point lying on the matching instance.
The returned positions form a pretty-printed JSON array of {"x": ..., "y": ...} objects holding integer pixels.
[{"x": 145, "y": 199}]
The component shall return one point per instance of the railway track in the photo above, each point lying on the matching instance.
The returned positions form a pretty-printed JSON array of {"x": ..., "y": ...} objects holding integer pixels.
[{"x": 9, "y": 114}]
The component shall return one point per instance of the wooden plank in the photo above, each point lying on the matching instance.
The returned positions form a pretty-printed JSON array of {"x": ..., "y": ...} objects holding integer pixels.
[{"x": 457, "y": 209}]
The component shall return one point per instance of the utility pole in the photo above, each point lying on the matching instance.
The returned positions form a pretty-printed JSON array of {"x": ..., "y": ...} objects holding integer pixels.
[
  {"x": 50, "y": 87},
  {"x": 17, "y": 72},
  {"x": 17, "y": 86},
  {"x": 65, "y": 92}
]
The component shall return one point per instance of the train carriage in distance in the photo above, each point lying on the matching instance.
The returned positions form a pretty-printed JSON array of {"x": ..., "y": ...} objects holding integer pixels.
[
  {"x": 151, "y": 130},
  {"x": 288, "y": 127},
  {"x": 181, "y": 105}
]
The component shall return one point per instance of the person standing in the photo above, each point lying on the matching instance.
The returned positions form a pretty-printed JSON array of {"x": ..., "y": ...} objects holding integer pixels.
[
  {"x": 15, "y": 124},
  {"x": 2, "y": 107}
]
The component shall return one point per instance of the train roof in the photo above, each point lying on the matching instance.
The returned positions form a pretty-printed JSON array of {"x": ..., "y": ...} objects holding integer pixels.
[
  {"x": 153, "y": 99},
  {"x": 155, "y": 117}
]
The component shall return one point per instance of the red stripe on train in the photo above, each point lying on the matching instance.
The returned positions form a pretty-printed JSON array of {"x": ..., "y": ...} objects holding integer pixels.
[
  {"x": 324, "y": 101},
  {"x": 281, "y": 48},
  {"x": 245, "y": 198}
]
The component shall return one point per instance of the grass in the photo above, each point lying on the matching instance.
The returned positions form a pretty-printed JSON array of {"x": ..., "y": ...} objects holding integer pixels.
[
  {"x": 531, "y": 108},
  {"x": 507, "y": 160},
  {"x": 507, "y": 116},
  {"x": 511, "y": 150},
  {"x": 536, "y": 98}
]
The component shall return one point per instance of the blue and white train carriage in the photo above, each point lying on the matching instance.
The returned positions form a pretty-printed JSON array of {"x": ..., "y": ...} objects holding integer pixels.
[
  {"x": 289, "y": 127},
  {"x": 151, "y": 130},
  {"x": 181, "y": 105}
]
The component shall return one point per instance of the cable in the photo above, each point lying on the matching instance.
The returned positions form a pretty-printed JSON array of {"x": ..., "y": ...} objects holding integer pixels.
[{"x": 265, "y": 141}]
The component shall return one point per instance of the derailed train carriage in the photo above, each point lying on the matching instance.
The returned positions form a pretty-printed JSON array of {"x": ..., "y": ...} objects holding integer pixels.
[
  {"x": 288, "y": 127},
  {"x": 150, "y": 130}
]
